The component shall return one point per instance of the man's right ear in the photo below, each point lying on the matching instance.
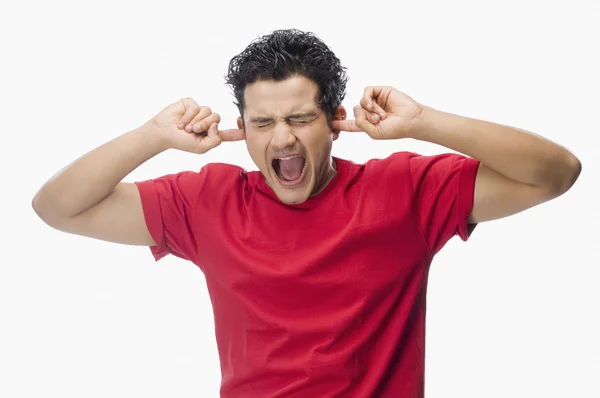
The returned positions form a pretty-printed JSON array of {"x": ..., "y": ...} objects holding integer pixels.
[{"x": 240, "y": 124}]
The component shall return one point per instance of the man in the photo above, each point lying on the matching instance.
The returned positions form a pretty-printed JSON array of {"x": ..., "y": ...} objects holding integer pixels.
[{"x": 316, "y": 266}]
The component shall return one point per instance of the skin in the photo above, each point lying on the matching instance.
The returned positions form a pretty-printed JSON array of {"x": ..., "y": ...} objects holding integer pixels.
[
  {"x": 88, "y": 197},
  {"x": 283, "y": 118},
  {"x": 518, "y": 169}
]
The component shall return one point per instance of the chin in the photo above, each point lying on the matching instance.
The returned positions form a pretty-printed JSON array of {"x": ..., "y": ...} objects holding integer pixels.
[
  {"x": 291, "y": 198},
  {"x": 288, "y": 191},
  {"x": 292, "y": 194}
]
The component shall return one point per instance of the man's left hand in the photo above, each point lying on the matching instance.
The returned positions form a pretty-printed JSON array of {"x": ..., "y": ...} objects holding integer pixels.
[{"x": 384, "y": 113}]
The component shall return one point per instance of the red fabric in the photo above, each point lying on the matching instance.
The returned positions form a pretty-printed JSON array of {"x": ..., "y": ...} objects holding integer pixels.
[{"x": 325, "y": 298}]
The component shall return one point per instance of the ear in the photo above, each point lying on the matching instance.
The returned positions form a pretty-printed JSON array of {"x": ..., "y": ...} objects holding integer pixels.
[
  {"x": 240, "y": 124},
  {"x": 340, "y": 114}
]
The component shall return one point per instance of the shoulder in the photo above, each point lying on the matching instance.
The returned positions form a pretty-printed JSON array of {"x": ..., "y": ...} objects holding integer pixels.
[
  {"x": 221, "y": 176},
  {"x": 213, "y": 177},
  {"x": 395, "y": 164},
  {"x": 409, "y": 159},
  {"x": 207, "y": 174},
  {"x": 223, "y": 170},
  {"x": 414, "y": 163},
  {"x": 409, "y": 169}
]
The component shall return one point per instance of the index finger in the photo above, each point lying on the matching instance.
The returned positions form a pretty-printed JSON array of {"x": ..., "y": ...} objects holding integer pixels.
[
  {"x": 231, "y": 135},
  {"x": 346, "y": 125},
  {"x": 370, "y": 96}
]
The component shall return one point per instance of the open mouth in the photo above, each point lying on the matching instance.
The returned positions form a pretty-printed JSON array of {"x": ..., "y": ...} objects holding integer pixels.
[{"x": 289, "y": 170}]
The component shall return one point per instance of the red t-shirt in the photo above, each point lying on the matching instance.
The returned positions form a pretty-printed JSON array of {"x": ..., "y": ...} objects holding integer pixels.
[{"x": 324, "y": 298}]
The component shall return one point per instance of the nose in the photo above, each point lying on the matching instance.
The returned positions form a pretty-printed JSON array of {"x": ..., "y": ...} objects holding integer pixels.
[{"x": 283, "y": 136}]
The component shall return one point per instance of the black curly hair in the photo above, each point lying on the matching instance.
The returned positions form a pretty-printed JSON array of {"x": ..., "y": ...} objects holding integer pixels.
[{"x": 286, "y": 53}]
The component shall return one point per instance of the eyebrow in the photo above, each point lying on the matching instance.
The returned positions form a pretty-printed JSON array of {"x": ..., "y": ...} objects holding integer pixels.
[{"x": 305, "y": 115}]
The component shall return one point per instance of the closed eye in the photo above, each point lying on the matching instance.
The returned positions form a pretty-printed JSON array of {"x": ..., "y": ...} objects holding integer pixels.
[
  {"x": 289, "y": 121},
  {"x": 260, "y": 126},
  {"x": 300, "y": 121}
]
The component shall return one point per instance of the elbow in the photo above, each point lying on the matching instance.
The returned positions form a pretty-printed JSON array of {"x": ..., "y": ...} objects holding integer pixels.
[
  {"x": 45, "y": 213},
  {"x": 48, "y": 209},
  {"x": 37, "y": 204},
  {"x": 42, "y": 209},
  {"x": 566, "y": 174},
  {"x": 576, "y": 170}
]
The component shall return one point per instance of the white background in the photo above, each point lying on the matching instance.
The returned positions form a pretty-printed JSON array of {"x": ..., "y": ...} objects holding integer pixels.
[{"x": 511, "y": 313}]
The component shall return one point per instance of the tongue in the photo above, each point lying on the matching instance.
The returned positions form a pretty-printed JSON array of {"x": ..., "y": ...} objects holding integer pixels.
[{"x": 291, "y": 168}]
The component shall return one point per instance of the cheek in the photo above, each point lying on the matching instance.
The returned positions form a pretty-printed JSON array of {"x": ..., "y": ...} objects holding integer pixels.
[
  {"x": 318, "y": 142},
  {"x": 257, "y": 148}
]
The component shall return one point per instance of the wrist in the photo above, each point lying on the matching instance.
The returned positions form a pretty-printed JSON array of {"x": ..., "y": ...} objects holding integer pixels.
[
  {"x": 421, "y": 123},
  {"x": 153, "y": 137}
]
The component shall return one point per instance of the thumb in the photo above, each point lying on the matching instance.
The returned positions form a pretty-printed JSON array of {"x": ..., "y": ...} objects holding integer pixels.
[
  {"x": 361, "y": 121},
  {"x": 213, "y": 132},
  {"x": 211, "y": 140}
]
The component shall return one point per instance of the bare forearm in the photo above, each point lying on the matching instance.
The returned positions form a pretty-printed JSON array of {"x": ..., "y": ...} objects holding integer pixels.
[
  {"x": 515, "y": 153},
  {"x": 92, "y": 177}
]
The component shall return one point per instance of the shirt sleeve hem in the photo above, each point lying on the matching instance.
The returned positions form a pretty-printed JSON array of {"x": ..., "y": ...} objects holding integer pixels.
[
  {"x": 153, "y": 217},
  {"x": 466, "y": 191}
]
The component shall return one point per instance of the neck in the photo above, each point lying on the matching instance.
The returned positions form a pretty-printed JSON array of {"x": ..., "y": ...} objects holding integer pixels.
[{"x": 327, "y": 176}]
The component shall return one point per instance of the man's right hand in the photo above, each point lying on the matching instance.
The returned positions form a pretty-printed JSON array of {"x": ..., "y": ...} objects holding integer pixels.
[{"x": 186, "y": 126}]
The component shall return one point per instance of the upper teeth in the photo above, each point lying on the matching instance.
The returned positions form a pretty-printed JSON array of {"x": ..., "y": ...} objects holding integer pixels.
[{"x": 289, "y": 157}]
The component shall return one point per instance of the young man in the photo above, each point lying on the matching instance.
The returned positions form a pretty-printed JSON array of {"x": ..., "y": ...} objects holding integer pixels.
[{"x": 316, "y": 266}]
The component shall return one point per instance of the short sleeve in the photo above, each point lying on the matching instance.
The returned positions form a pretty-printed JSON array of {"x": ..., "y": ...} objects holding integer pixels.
[
  {"x": 169, "y": 205},
  {"x": 444, "y": 186}
]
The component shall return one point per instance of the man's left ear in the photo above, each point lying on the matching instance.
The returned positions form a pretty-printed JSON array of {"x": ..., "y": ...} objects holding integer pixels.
[{"x": 340, "y": 114}]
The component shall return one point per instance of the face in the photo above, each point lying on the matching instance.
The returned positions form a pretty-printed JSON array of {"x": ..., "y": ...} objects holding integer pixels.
[{"x": 288, "y": 137}]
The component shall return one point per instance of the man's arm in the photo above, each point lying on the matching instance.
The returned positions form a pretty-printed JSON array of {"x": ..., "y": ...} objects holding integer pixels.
[
  {"x": 518, "y": 169},
  {"x": 87, "y": 198}
]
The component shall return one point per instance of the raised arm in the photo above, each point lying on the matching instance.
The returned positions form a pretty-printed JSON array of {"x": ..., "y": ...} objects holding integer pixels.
[
  {"x": 88, "y": 198},
  {"x": 518, "y": 169}
]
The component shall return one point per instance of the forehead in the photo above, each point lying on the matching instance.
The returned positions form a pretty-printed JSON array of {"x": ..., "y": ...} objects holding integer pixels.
[{"x": 271, "y": 98}]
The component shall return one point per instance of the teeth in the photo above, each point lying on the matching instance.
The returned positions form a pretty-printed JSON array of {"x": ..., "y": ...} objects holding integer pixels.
[{"x": 289, "y": 157}]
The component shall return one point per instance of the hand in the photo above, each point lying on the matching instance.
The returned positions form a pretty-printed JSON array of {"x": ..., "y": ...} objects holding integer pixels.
[
  {"x": 384, "y": 113},
  {"x": 186, "y": 126}
]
